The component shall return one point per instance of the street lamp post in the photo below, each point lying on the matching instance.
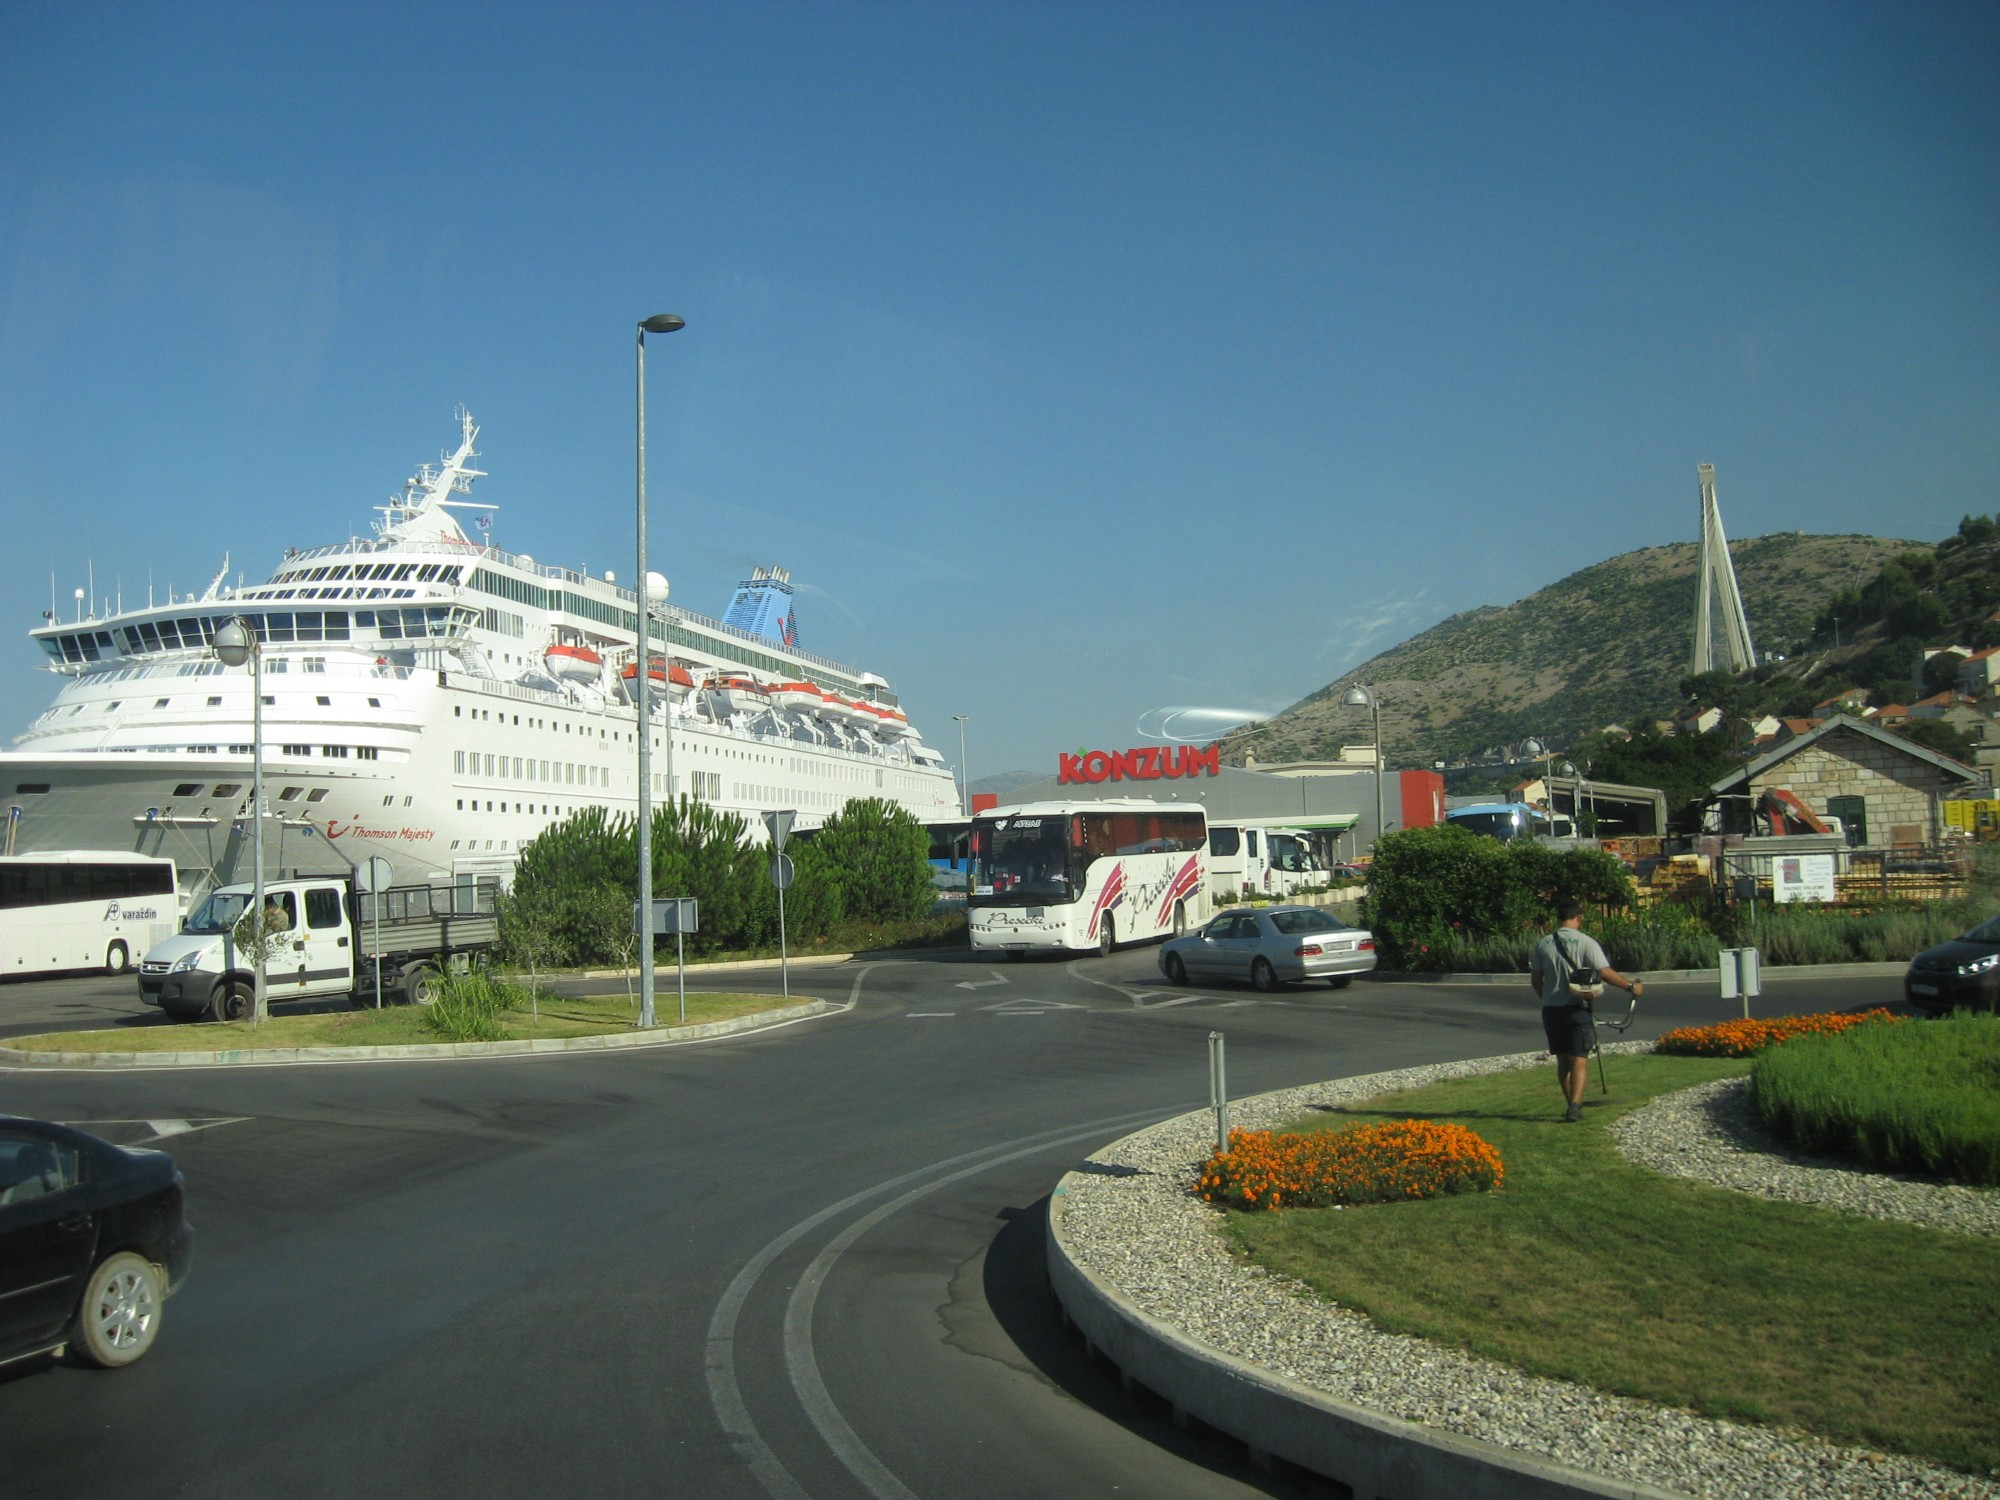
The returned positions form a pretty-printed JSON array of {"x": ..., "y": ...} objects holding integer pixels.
[
  {"x": 234, "y": 644},
  {"x": 964, "y": 780},
  {"x": 1365, "y": 697},
  {"x": 659, "y": 323}
]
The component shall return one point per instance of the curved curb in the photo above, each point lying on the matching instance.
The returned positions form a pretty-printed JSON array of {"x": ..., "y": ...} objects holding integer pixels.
[
  {"x": 1376, "y": 1456},
  {"x": 1769, "y": 971},
  {"x": 250, "y": 1057}
]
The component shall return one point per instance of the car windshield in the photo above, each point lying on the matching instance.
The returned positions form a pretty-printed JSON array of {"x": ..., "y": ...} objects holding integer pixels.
[
  {"x": 219, "y": 913},
  {"x": 1293, "y": 923},
  {"x": 1020, "y": 861},
  {"x": 1986, "y": 932}
]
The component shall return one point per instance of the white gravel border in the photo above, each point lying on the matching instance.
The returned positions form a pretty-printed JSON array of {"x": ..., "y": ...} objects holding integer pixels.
[{"x": 1130, "y": 1219}]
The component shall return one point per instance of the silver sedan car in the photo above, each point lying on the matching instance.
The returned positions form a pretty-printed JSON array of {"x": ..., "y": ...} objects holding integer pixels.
[{"x": 1270, "y": 946}]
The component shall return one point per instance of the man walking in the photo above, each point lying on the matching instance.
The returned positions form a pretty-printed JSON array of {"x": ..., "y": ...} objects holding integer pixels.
[{"x": 1568, "y": 969}]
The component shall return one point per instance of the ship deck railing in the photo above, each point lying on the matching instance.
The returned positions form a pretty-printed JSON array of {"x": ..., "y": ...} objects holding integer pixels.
[{"x": 559, "y": 573}]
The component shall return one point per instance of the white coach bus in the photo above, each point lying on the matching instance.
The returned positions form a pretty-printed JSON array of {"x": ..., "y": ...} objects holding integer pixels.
[
  {"x": 1075, "y": 876},
  {"x": 83, "y": 909}
]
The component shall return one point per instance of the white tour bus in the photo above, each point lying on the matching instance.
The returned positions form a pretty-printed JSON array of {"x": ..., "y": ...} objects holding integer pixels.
[
  {"x": 84, "y": 909},
  {"x": 1255, "y": 860},
  {"x": 1083, "y": 875}
]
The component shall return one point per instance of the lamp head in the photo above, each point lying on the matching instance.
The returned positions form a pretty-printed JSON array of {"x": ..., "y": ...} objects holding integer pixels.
[
  {"x": 234, "y": 641},
  {"x": 662, "y": 323},
  {"x": 1358, "y": 697}
]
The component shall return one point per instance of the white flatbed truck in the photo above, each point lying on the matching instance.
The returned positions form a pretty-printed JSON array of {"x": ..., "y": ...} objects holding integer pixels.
[{"x": 327, "y": 948}]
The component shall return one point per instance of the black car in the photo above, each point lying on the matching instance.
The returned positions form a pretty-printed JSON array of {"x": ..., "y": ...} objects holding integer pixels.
[
  {"x": 1964, "y": 972},
  {"x": 93, "y": 1241}
]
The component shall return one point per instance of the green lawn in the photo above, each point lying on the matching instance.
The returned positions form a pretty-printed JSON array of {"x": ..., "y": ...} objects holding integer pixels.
[
  {"x": 1593, "y": 1270},
  {"x": 399, "y": 1025}
]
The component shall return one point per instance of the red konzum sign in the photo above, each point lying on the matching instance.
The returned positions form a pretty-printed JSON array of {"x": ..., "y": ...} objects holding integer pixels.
[{"x": 1146, "y": 763}]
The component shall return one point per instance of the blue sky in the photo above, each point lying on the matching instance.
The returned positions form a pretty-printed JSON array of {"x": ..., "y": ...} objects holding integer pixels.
[{"x": 1079, "y": 360}]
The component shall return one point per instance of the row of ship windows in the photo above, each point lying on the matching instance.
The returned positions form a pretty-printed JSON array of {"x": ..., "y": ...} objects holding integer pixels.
[
  {"x": 390, "y": 572},
  {"x": 290, "y": 752},
  {"x": 568, "y": 602},
  {"x": 270, "y": 699},
  {"x": 543, "y": 772},
  {"x": 275, "y": 627},
  {"x": 800, "y": 765}
]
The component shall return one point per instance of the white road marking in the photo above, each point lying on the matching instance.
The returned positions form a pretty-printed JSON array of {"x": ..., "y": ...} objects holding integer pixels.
[{"x": 983, "y": 984}]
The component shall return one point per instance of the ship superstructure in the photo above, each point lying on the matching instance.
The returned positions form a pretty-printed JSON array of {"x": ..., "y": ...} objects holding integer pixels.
[{"x": 440, "y": 702}]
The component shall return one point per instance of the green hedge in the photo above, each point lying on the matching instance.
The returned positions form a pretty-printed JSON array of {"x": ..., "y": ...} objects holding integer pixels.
[
  {"x": 1914, "y": 1097},
  {"x": 571, "y": 900},
  {"x": 1433, "y": 892}
]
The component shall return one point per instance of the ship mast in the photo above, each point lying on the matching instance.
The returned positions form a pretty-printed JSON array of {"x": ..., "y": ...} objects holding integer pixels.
[{"x": 419, "y": 512}]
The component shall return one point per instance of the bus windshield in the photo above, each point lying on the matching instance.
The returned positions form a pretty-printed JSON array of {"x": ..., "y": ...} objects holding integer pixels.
[
  {"x": 1515, "y": 821},
  {"x": 219, "y": 913},
  {"x": 1021, "y": 861}
]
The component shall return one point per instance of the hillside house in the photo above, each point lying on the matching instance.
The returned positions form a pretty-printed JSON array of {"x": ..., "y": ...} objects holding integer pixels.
[
  {"x": 1846, "y": 701},
  {"x": 1701, "y": 721},
  {"x": 1979, "y": 673},
  {"x": 1884, "y": 789}
]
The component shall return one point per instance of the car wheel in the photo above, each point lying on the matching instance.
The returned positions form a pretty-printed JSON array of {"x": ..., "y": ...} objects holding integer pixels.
[
  {"x": 233, "y": 1002},
  {"x": 420, "y": 984},
  {"x": 1180, "y": 919},
  {"x": 120, "y": 1315},
  {"x": 1107, "y": 936},
  {"x": 1176, "y": 970},
  {"x": 1340, "y": 981},
  {"x": 1263, "y": 976},
  {"x": 117, "y": 959}
]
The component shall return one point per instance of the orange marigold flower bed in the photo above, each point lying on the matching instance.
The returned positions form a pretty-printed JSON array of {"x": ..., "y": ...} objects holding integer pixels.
[
  {"x": 1744, "y": 1038},
  {"x": 1367, "y": 1164}
]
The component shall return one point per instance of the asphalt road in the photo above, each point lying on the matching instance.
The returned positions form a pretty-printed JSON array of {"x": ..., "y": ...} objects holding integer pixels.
[{"x": 801, "y": 1263}]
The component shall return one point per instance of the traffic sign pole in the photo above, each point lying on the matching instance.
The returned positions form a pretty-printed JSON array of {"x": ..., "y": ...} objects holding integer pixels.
[{"x": 779, "y": 824}]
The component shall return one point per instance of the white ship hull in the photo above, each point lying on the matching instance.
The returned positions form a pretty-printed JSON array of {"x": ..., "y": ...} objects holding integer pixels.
[{"x": 439, "y": 740}]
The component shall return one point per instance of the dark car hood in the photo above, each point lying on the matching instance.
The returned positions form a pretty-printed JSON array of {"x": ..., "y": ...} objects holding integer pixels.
[{"x": 1948, "y": 956}]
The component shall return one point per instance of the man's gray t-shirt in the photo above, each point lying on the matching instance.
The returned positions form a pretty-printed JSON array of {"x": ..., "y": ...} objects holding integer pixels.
[{"x": 1551, "y": 977}]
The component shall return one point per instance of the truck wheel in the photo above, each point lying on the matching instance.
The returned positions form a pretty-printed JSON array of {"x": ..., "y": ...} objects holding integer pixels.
[
  {"x": 420, "y": 983},
  {"x": 233, "y": 1002},
  {"x": 120, "y": 1315},
  {"x": 117, "y": 959}
]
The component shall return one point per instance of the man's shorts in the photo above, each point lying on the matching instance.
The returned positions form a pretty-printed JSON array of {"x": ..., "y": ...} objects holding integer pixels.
[{"x": 1569, "y": 1030}]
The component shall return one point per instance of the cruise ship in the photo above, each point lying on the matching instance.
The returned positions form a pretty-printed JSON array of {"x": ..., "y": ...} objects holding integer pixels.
[{"x": 439, "y": 702}]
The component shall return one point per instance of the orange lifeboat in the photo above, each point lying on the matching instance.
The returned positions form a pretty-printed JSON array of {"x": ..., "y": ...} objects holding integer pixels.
[
  {"x": 672, "y": 678},
  {"x": 843, "y": 710},
  {"x": 803, "y": 696},
  {"x": 736, "y": 694},
  {"x": 572, "y": 663}
]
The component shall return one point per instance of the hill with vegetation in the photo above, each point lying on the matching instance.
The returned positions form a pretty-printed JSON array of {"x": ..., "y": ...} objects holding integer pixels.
[{"x": 1612, "y": 644}]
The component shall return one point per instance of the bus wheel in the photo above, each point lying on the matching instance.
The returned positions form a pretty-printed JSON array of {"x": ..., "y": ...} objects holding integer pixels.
[
  {"x": 233, "y": 1002},
  {"x": 1107, "y": 936},
  {"x": 117, "y": 959},
  {"x": 1180, "y": 919}
]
